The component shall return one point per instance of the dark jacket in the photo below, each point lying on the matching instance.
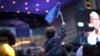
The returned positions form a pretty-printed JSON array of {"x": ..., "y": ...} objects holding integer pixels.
[{"x": 53, "y": 45}]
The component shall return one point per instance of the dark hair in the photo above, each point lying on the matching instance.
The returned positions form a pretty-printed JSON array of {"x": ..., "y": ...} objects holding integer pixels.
[
  {"x": 98, "y": 45},
  {"x": 7, "y": 33},
  {"x": 50, "y": 31},
  {"x": 28, "y": 51},
  {"x": 68, "y": 47},
  {"x": 88, "y": 50}
]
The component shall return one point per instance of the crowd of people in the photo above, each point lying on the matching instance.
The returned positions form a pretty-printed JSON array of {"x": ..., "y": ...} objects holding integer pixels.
[{"x": 52, "y": 46}]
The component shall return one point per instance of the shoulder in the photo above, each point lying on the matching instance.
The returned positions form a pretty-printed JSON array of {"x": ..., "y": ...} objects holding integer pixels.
[
  {"x": 91, "y": 34},
  {"x": 57, "y": 37}
]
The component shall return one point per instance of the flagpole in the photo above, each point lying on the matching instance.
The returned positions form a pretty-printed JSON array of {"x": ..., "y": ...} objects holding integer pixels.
[{"x": 62, "y": 17}]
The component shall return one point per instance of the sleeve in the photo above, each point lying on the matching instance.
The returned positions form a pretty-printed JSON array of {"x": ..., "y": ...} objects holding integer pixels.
[{"x": 63, "y": 32}]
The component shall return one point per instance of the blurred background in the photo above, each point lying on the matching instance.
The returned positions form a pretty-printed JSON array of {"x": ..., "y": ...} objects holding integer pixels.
[{"x": 26, "y": 19}]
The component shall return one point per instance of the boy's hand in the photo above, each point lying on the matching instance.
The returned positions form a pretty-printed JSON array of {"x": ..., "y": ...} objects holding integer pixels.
[{"x": 63, "y": 23}]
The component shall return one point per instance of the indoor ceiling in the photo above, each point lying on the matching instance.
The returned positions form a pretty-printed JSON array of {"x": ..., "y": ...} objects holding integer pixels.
[{"x": 40, "y": 7}]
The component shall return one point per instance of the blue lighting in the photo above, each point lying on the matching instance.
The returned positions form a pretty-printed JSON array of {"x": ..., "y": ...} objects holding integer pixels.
[{"x": 31, "y": 5}]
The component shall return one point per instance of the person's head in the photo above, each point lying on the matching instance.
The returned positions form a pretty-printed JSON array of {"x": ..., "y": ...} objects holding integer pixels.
[
  {"x": 50, "y": 31},
  {"x": 40, "y": 53},
  {"x": 98, "y": 46},
  {"x": 68, "y": 47},
  {"x": 88, "y": 50},
  {"x": 6, "y": 36},
  {"x": 28, "y": 51},
  {"x": 95, "y": 19}
]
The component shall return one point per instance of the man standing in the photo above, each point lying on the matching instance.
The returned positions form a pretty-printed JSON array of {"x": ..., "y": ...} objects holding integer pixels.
[{"x": 94, "y": 36}]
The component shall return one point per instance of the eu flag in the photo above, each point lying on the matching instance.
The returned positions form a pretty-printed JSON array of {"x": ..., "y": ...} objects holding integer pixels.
[{"x": 53, "y": 14}]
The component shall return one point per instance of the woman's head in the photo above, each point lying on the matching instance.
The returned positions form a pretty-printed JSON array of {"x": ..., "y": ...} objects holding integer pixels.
[{"x": 7, "y": 36}]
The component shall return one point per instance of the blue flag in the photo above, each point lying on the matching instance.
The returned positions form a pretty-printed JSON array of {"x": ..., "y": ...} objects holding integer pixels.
[{"x": 53, "y": 14}]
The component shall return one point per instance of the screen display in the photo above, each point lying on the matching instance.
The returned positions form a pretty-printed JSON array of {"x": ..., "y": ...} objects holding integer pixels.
[{"x": 88, "y": 26}]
